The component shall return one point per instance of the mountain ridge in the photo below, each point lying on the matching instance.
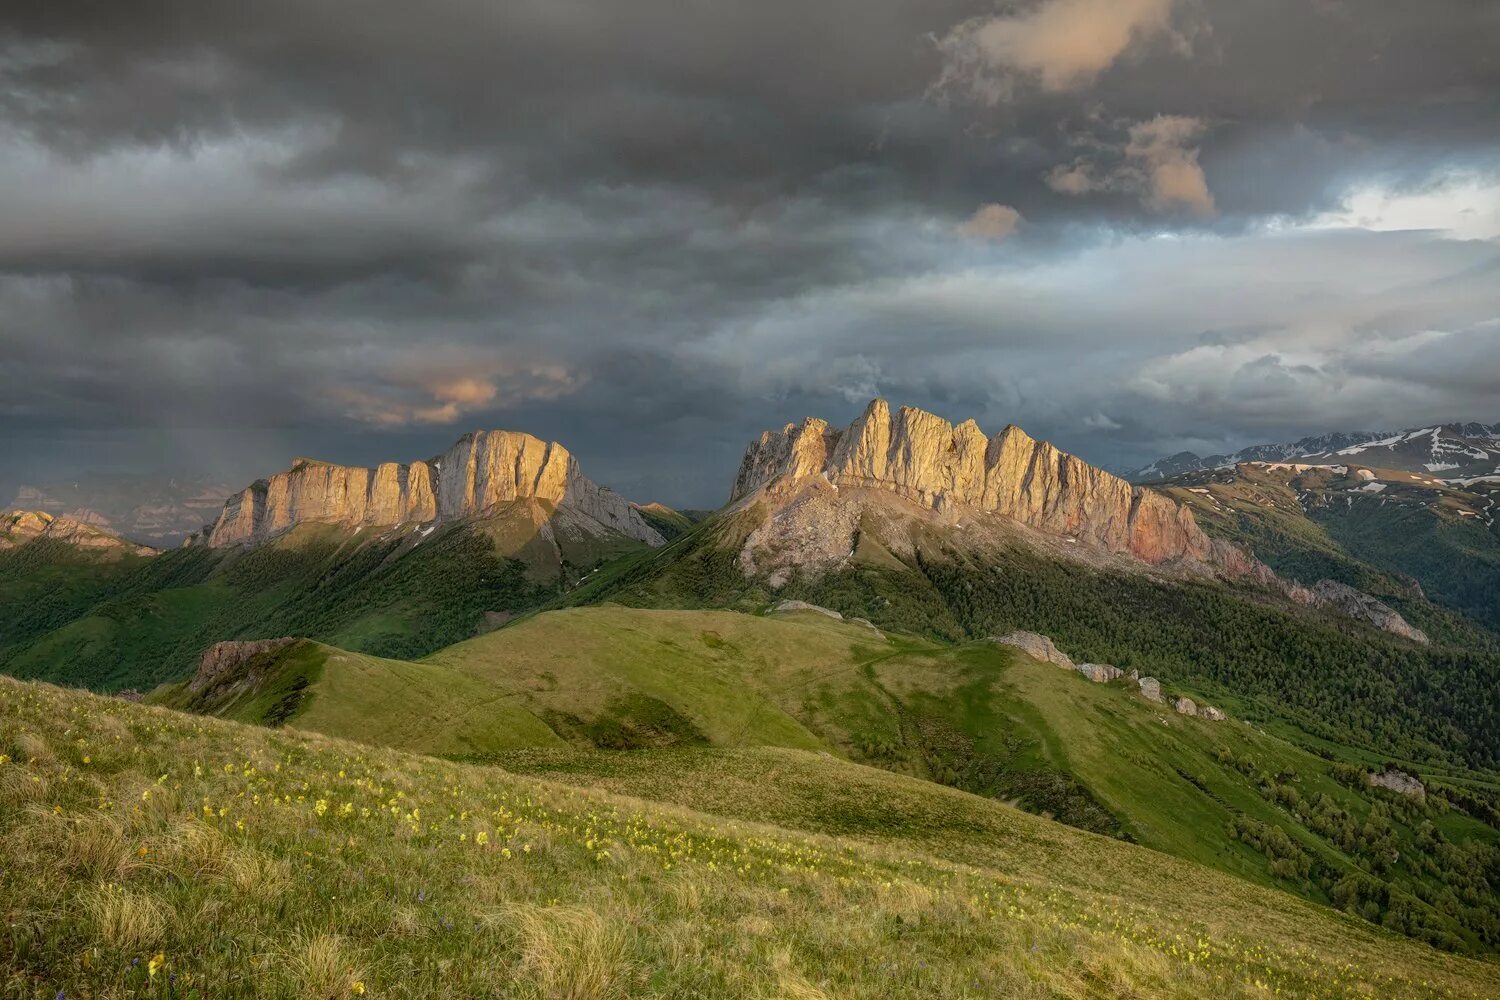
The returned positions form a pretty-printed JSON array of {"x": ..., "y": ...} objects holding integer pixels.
[
  {"x": 1466, "y": 447},
  {"x": 479, "y": 472}
]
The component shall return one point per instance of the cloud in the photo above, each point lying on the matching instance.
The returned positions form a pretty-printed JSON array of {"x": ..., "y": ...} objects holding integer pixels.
[
  {"x": 1156, "y": 163},
  {"x": 993, "y": 222},
  {"x": 1058, "y": 44},
  {"x": 408, "y": 397},
  {"x": 1171, "y": 177}
]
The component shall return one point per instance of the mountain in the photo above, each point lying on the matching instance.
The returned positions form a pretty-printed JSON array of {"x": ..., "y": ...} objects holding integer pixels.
[
  {"x": 819, "y": 481},
  {"x": 482, "y": 473},
  {"x": 371, "y": 560},
  {"x": 21, "y": 527},
  {"x": 1406, "y": 536},
  {"x": 1447, "y": 451},
  {"x": 925, "y": 528},
  {"x": 160, "y": 510}
]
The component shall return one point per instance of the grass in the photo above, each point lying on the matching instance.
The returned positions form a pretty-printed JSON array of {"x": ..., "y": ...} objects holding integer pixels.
[
  {"x": 978, "y": 717},
  {"x": 152, "y": 853}
]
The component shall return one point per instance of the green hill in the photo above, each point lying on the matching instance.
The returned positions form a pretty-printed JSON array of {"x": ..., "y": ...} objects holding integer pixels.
[
  {"x": 153, "y": 853},
  {"x": 686, "y": 688},
  {"x": 1298, "y": 668},
  {"x": 111, "y": 624}
]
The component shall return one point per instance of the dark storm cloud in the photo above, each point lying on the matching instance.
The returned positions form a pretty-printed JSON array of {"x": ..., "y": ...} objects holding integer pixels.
[{"x": 653, "y": 229}]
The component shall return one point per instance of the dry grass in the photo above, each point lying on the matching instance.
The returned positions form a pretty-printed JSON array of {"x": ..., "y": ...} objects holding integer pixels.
[
  {"x": 325, "y": 968},
  {"x": 125, "y": 919},
  {"x": 574, "y": 953}
]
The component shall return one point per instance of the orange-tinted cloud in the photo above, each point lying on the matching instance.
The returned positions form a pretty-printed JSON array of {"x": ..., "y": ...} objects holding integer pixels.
[
  {"x": 1158, "y": 163},
  {"x": 1059, "y": 44},
  {"x": 991, "y": 222},
  {"x": 443, "y": 397}
]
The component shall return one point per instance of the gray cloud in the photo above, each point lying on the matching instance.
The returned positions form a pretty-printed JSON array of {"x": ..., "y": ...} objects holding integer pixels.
[{"x": 232, "y": 233}]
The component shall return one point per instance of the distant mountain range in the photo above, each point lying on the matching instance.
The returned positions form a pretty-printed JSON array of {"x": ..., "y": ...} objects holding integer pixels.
[
  {"x": 1457, "y": 451},
  {"x": 158, "y": 510}
]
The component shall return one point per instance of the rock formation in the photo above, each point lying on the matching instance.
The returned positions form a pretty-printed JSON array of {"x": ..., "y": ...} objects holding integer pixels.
[
  {"x": 1359, "y": 605},
  {"x": 18, "y": 527},
  {"x": 1038, "y": 647},
  {"x": 927, "y": 460},
  {"x": 804, "y": 606},
  {"x": 1400, "y": 782},
  {"x": 222, "y": 660},
  {"x": 1150, "y": 688},
  {"x": 481, "y": 472},
  {"x": 1099, "y": 673}
]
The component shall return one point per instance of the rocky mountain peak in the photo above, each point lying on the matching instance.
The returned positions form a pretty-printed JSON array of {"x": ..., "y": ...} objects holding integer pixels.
[
  {"x": 18, "y": 527},
  {"x": 927, "y": 460},
  {"x": 480, "y": 472}
]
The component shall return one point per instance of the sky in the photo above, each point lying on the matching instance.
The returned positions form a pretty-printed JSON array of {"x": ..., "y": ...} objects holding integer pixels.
[{"x": 235, "y": 233}]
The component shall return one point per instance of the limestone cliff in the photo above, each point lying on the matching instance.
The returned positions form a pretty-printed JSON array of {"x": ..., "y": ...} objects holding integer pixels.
[
  {"x": 925, "y": 459},
  {"x": 481, "y": 472},
  {"x": 17, "y": 527}
]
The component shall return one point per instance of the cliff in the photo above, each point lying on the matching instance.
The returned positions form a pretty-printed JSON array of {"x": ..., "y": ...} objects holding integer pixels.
[
  {"x": 929, "y": 461},
  {"x": 478, "y": 474}
]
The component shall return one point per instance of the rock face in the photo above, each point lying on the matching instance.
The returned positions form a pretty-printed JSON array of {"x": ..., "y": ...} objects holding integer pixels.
[
  {"x": 927, "y": 460},
  {"x": 17, "y": 527},
  {"x": 1038, "y": 647},
  {"x": 1399, "y": 781},
  {"x": 221, "y": 661},
  {"x": 1150, "y": 688},
  {"x": 1357, "y": 604},
  {"x": 482, "y": 471}
]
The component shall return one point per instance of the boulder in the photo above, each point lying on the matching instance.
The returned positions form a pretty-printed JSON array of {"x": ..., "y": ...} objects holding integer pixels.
[
  {"x": 1099, "y": 673},
  {"x": 1211, "y": 713},
  {"x": 1036, "y": 646},
  {"x": 1185, "y": 706},
  {"x": 1150, "y": 688}
]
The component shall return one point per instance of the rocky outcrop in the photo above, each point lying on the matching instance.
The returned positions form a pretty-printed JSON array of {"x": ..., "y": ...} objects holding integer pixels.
[
  {"x": 929, "y": 461},
  {"x": 1099, "y": 673},
  {"x": 1038, "y": 647},
  {"x": 480, "y": 473},
  {"x": 18, "y": 527},
  {"x": 222, "y": 662},
  {"x": 1361, "y": 606},
  {"x": 1150, "y": 688},
  {"x": 1399, "y": 782},
  {"x": 804, "y": 606}
]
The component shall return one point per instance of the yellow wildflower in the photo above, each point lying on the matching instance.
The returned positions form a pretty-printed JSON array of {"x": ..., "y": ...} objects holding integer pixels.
[{"x": 154, "y": 966}]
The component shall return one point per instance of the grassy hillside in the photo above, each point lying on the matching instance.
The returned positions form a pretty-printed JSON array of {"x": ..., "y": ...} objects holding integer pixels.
[
  {"x": 1330, "y": 677},
  {"x": 977, "y": 717},
  {"x": 137, "y": 623},
  {"x": 149, "y": 853}
]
